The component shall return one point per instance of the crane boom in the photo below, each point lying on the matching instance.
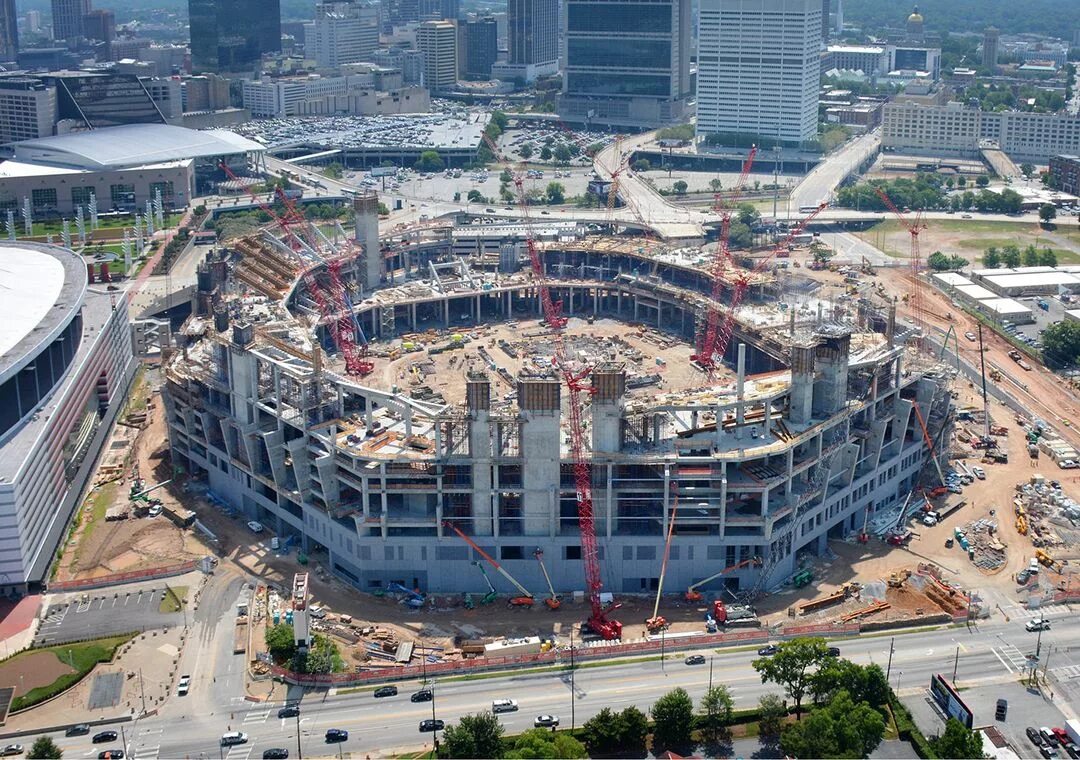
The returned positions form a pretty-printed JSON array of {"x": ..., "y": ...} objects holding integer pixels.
[
  {"x": 552, "y": 601},
  {"x": 692, "y": 594},
  {"x": 913, "y": 228},
  {"x": 488, "y": 557}
]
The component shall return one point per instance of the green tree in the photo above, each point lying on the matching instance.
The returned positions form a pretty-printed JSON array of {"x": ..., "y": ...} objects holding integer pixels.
[
  {"x": 820, "y": 252},
  {"x": 1047, "y": 212},
  {"x": 322, "y": 657},
  {"x": 862, "y": 683},
  {"x": 938, "y": 261},
  {"x": 611, "y": 733},
  {"x": 641, "y": 165},
  {"x": 958, "y": 743},
  {"x": 525, "y": 151},
  {"x": 673, "y": 716},
  {"x": 477, "y": 736},
  {"x": 792, "y": 667},
  {"x": 334, "y": 171},
  {"x": 772, "y": 717},
  {"x": 475, "y": 196},
  {"x": 739, "y": 236},
  {"x": 1047, "y": 258},
  {"x": 562, "y": 153},
  {"x": 957, "y": 262},
  {"x": 961, "y": 181},
  {"x": 1031, "y": 256},
  {"x": 717, "y": 707},
  {"x": 841, "y": 729},
  {"x": 1061, "y": 344},
  {"x": 1027, "y": 169},
  {"x": 44, "y": 748},
  {"x": 679, "y": 187},
  {"x": 992, "y": 258},
  {"x": 1010, "y": 256},
  {"x": 748, "y": 215},
  {"x": 383, "y": 209},
  {"x": 429, "y": 161},
  {"x": 556, "y": 193},
  {"x": 542, "y": 743},
  {"x": 545, "y": 153},
  {"x": 982, "y": 181},
  {"x": 950, "y": 182},
  {"x": 281, "y": 641},
  {"x": 506, "y": 176},
  {"x": 715, "y": 184},
  {"x": 500, "y": 119},
  {"x": 635, "y": 727}
]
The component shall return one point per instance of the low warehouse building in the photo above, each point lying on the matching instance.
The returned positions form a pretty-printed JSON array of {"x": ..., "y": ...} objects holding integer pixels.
[{"x": 1007, "y": 308}]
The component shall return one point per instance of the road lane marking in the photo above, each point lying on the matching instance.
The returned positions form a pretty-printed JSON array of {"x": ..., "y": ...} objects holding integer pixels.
[{"x": 1002, "y": 659}]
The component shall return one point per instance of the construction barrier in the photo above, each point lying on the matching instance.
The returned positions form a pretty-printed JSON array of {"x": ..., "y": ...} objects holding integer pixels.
[
  {"x": 121, "y": 578},
  {"x": 598, "y": 651},
  {"x": 820, "y": 629}
]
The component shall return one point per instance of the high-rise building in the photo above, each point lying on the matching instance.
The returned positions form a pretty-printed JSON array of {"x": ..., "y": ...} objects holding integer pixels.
[
  {"x": 758, "y": 68},
  {"x": 437, "y": 40},
  {"x": 9, "y": 30},
  {"x": 33, "y": 21},
  {"x": 481, "y": 48},
  {"x": 826, "y": 11},
  {"x": 627, "y": 62},
  {"x": 990, "y": 47},
  {"x": 410, "y": 62},
  {"x": 436, "y": 10},
  {"x": 343, "y": 32},
  {"x": 27, "y": 108},
  {"x": 67, "y": 18},
  {"x": 99, "y": 24},
  {"x": 532, "y": 38},
  {"x": 233, "y": 35}
]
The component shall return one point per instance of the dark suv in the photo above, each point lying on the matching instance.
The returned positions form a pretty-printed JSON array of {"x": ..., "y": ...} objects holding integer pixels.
[
  {"x": 386, "y": 691},
  {"x": 336, "y": 735},
  {"x": 424, "y": 695},
  {"x": 289, "y": 711}
]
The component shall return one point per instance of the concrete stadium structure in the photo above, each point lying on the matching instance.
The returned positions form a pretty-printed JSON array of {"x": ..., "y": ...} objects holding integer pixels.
[
  {"x": 814, "y": 436},
  {"x": 65, "y": 368}
]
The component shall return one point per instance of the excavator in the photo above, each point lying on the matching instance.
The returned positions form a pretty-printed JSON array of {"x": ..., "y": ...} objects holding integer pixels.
[
  {"x": 526, "y": 598},
  {"x": 693, "y": 595},
  {"x": 552, "y": 601}
]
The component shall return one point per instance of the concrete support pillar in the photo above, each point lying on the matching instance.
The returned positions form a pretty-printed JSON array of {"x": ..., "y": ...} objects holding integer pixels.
[
  {"x": 541, "y": 436},
  {"x": 740, "y": 382},
  {"x": 831, "y": 358},
  {"x": 478, "y": 404},
  {"x": 609, "y": 380},
  {"x": 446, "y": 312},
  {"x": 801, "y": 393},
  {"x": 366, "y": 216}
]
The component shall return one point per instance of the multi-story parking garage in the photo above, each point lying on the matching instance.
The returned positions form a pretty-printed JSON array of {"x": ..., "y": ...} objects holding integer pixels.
[{"x": 814, "y": 432}]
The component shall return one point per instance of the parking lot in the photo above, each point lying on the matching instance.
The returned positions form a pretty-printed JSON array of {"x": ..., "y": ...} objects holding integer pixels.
[{"x": 101, "y": 614}]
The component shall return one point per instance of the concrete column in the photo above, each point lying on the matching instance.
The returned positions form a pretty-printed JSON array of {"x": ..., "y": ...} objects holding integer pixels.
[
  {"x": 366, "y": 216},
  {"x": 831, "y": 358},
  {"x": 801, "y": 393},
  {"x": 740, "y": 382},
  {"x": 478, "y": 403},
  {"x": 541, "y": 436},
  {"x": 609, "y": 380}
]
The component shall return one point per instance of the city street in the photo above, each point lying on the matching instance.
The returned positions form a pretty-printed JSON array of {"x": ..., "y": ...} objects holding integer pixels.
[{"x": 993, "y": 652}]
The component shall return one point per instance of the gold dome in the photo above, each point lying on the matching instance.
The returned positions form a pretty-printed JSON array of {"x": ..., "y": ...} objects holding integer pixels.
[{"x": 915, "y": 18}]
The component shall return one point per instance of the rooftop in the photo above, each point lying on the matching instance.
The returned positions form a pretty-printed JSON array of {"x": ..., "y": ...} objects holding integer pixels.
[
  {"x": 40, "y": 287},
  {"x": 131, "y": 145}
]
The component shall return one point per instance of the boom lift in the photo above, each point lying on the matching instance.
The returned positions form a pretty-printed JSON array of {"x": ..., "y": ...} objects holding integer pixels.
[
  {"x": 658, "y": 622},
  {"x": 693, "y": 595},
  {"x": 492, "y": 594},
  {"x": 552, "y": 601},
  {"x": 526, "y": 598}
]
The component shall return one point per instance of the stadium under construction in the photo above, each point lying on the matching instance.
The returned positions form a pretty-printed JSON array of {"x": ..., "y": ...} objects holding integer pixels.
[{"x": 289, "y": 394}]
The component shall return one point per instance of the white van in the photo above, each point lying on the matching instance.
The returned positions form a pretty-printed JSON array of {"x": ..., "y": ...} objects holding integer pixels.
[
  {"x": 504, "y": 705},
  {"x": 233, "y": 737}
]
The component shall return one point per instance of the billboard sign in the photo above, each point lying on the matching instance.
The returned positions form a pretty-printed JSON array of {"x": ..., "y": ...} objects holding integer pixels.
[{"x": 948, "y": 699}]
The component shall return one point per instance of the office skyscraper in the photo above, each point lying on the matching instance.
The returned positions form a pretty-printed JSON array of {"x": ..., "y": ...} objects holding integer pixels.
[
  {"x": 435, "y": 10},
  {"x": 9, "y": 31},
  {"x": 758, "y": 68},
  {"x": 627, "y": 62},
  {"x": 99, "y": 24},
  {"x": 826, "y": 10},
  {"x": 481, "y": 48},
  {"x": 343, "y": 32},
  {"x": 232, "y": 35},
  {"x": 990, "y": 47},
  {"x": 532, "y": 37},
  {"x": 437, "y": 40},
  {"x": 67, "y": 18}
]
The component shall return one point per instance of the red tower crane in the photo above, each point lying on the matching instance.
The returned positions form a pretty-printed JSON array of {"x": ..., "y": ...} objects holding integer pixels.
[
  {"x": 335, "y": 310},
  {"x": 711, "y": 349},
  {"x": 914, "y": 227},
  {"x": 605, "y": 627}
]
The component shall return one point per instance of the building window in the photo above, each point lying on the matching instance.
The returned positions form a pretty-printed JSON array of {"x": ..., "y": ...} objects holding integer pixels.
[
  {"x": 166, "y": 190},
  {"x": 123, "y": 196},
  {"x": 43, "y": 199},
  {"x": 80, "y": 196},
  {"x": 513, "y": 552}
]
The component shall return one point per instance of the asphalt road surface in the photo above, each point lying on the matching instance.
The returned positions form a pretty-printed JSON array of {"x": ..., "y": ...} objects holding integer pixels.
[
  {"x": 993, "y": 652},
  {"x": 103, "y": 614}
]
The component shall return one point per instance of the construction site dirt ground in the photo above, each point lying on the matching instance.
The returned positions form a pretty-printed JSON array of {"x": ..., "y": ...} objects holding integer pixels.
[
  {"x": 636, "y": 345},
  {"x": 97, "y": 547}
]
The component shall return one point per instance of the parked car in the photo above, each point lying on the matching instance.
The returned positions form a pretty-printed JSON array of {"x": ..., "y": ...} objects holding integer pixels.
[
  {"x": 768, "y": 650},
  {"x": 431, "y": 725},
  {"x": 336, "y": 735},
  {"x": 546, "y": 721},
  {"x": 111, "y": 754},
  {"x": 424, "y": 695},
  {"x": 1001, "y": 710},
  {"x": 1048, "y": 736},
  {"x": 11, "y": 749},
  {"x": 255, "y": 527},
  {"x": 504, "y": 705},
  {"x": 834, "y": 651},
  {"x": 289, "y": 711},
  {"x": 105, "y": 736},
  {"x": 695, "y": 659},
  {"x": 275, "y": 753},
  {"x": 1038, "y": 624},
  {"x": 1034, "y": 736},
  {"x": 386, "y": 691}
]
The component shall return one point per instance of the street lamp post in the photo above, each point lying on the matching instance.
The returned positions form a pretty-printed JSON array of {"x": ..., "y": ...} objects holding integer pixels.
[
  {"x": 892, "y": 649},
  {"x": 898, "y": 674},
  {"x": 299, "y": 749},
  {"x": 573, "y": 694}
]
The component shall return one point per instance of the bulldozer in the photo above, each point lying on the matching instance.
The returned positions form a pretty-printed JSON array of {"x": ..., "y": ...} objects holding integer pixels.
[{"x": 897, "y": 579}]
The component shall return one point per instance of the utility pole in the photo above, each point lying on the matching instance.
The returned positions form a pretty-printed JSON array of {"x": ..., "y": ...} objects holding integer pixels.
[
  {"x": 299, "y": 750},
  {"x": 956, "y": 662},
  {"x": 888, "y": 669},
  {"x": 142, "y": 691},
  {"x": 986, "y": 404},
  {"x": 662, "y": 649},
  {"x": 1038, "y": 643},
  {"x": 710, "y": 672},
  {"x": 573, "y": 694}
]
